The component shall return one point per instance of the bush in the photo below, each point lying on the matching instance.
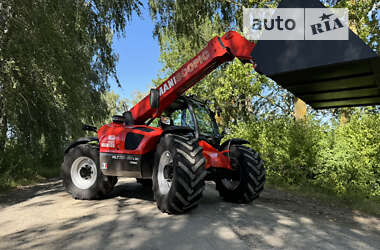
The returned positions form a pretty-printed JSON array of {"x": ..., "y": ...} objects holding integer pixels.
[
  {"x": 350, "y": 159},
  {"x": 343, "y": 159},
  {"x": 20, "y": 164}
]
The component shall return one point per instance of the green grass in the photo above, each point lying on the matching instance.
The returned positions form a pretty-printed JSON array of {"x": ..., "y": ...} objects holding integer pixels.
[
  {"x": 39, "y": 175},
  {"x": 354, "y": 201}
]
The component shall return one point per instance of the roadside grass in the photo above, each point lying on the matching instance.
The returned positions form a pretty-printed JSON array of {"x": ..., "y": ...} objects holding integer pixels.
[
  {"x": 38, "y": 175},
  {"x": 354, "y": 201}
]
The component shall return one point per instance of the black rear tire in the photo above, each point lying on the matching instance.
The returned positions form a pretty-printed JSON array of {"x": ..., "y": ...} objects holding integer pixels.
[
  {"x": 145, "y": 182},
  {"x": 247, "y": 179},
  {"x": 185, "y": 170},
  {"x": 102, "y": 184}
]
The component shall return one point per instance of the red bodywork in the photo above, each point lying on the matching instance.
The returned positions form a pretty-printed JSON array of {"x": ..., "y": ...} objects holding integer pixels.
[
  {"x": 112, "y": 140},
  {"x": 214, "y": 157},
  {"x": 112, "y": 137}
]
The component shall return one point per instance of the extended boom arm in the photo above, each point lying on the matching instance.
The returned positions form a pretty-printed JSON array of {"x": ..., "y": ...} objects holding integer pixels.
[{"x": 218, "y": 51}]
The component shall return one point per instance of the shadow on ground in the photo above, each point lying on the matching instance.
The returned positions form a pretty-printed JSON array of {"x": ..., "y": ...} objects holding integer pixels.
[
  {"x": 132, "y": 190},
  {"x": 128, "y": 219},
  {"x": 25, "y": 193}
]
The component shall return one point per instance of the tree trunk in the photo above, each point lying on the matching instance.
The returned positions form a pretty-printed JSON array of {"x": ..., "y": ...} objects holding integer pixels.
[
  {"x": 3, "y": 131},
  {"x": 3, "y": 123},
  {"x": 299, "y": 109},
  {"x": 344, "y": 118}
]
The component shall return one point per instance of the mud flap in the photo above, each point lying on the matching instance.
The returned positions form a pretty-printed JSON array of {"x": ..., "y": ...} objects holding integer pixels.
[{"x": 325, "y": 74}]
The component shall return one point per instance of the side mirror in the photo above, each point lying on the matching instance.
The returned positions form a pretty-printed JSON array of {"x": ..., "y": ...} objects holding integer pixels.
[
  {"x": 154, "y": 98},
  {"x": 128, "y": 118}
]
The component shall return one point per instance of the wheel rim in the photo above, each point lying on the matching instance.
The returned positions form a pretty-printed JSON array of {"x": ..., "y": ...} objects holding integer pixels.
[
  {"x": 165, "y": 172},
  {"x": 83, "y": 172}
]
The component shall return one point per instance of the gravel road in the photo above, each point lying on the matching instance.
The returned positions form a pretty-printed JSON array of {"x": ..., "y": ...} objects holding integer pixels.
[{"x": 45, "y": 217}]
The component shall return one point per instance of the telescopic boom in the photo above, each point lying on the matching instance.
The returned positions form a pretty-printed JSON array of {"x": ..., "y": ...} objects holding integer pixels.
[{"x": 218, "y": 51}]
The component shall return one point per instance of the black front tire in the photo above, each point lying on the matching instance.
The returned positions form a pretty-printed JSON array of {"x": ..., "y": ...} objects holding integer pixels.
[
  {"x": 187, "y": 167},
  {"x": 248, "y": 176},
  {"x": 102, "y": 185},
  {"x": 112, "y": 180}
]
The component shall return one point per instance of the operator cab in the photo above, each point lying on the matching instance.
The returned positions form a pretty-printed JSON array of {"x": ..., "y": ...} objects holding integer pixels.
[{"x": 190, "y": 113}]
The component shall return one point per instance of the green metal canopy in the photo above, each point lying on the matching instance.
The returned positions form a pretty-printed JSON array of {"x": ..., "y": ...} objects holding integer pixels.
[{"x": 325, "y": 74}]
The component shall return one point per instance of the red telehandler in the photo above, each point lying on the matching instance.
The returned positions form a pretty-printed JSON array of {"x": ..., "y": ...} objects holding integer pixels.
[
  {"x": 180, "y": 153},
  {"x": 184, "y": 150}
]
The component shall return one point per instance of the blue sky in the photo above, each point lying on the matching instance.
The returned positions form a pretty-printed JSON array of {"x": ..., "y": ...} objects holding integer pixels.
[{"x": 138, "y": 57}]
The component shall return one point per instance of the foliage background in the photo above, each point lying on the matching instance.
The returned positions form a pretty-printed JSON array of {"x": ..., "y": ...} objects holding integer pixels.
[
  {"x": 340, "y": 159},
  {"x": 55, "y": 62},
  {"x": 56, "y": 59},
  {"x": 335, "y": 155}
]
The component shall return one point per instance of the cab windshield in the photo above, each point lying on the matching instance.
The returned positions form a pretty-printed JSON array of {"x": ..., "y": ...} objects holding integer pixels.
[{"x": 206, "y": 125}]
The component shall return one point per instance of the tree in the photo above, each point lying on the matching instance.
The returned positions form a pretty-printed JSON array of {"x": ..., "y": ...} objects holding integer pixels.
[
  {"x": 344, "y": 159},
  {"x": 115, "y": 106},
  {"x": 229, "y": 89},
  {"x": 55, "y": 61},
  {"x": 184, "y": 18},
  {"x": 364, "y": 19}
]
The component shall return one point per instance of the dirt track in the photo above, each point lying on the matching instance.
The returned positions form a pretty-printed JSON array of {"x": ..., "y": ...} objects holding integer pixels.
[{"x": 45, "y": 217}]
